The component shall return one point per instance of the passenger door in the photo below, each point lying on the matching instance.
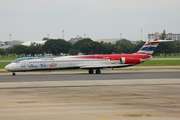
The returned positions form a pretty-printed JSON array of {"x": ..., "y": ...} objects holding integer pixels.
[{"x": 23, "y": 64}]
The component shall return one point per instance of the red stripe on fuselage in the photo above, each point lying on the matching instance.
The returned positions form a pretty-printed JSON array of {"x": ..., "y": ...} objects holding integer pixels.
[
  {"x": 143, "y": 53},
  {"x": 114, "y": 56}
]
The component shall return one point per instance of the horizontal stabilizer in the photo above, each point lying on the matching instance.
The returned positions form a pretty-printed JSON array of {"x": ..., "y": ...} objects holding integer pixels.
[{"x": 162, "y": 41}]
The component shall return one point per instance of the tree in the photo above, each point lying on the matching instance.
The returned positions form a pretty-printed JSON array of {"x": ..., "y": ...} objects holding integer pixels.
[
  {"x": 124, "y": 47},
  {"x": 138, "y": 46},
  {"x": 85, "y": 46},
  {"x": 45, "y": 38},
  {"x": 56, "y": 46},
  {"x": 18, "y": 49},
  {"x": 80, "y": 43},
  {"x": 108, "y": 48},
  {"x": 175, "y": 48},
  {"x": 73, "y": 52},
  {"x": 11, "y": 51},
  {"x": 163, "y": 35},
  {"x": 35, "y": 48},
  {"x": 163, "y": 47},
  {"x": 97, "y": 48},
  {"x": 2, "y": 52}
]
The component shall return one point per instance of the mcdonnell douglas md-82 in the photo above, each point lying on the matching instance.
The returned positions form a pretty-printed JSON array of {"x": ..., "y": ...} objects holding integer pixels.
[{"x": 93, "y": 63}]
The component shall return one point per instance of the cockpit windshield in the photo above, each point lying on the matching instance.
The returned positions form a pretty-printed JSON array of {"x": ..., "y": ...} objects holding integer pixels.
[
  {"x": 16, "y": 61},
  {"x": 22, "y": 59}
]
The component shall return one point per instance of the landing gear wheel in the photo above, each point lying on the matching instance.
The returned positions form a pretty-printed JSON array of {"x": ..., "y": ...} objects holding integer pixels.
[
  {"x": 98, "y": 71},
  {"x": 13, "y": 73},
  {"x": 91, "y": 71}
]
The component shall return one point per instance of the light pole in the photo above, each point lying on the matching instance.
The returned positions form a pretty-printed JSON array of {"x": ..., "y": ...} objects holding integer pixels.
[
  {"x": 120, "y": 35},
  {"x": 9, "y": 37},
  {"x": 84, "y": 35},
  {"x": 48, "y": 36},
  {"x": 63, "y": 34}
]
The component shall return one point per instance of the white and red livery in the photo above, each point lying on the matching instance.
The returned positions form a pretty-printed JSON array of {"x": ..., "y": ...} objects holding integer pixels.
[{"x": 93, "y": 63}]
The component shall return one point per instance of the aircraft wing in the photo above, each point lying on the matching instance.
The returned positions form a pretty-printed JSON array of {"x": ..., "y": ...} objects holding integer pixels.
[{"x": 104, "y": 66}]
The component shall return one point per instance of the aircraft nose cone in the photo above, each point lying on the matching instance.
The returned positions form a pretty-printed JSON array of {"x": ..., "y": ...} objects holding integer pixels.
[{"x": 6, "y": 67}]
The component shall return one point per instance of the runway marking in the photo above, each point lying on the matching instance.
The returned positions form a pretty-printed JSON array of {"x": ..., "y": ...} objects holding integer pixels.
[
  {"x": 90, "y": 116},
  {"x": 136, "y": 115},
  {"x": 21, "y": 102}
]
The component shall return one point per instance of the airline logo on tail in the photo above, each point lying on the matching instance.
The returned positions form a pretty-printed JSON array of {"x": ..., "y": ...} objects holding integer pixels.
[{"x": 150, "y": 46}]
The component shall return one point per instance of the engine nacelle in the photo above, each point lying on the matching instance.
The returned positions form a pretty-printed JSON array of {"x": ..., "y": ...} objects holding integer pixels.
[{"x": 130, "y": 60}]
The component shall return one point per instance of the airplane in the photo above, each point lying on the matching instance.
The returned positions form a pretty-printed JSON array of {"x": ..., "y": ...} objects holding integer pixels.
[{"x": 93, "y": 63}]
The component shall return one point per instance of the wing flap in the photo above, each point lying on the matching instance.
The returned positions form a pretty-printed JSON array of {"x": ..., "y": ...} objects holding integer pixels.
[{"x": 104, "y": 66}]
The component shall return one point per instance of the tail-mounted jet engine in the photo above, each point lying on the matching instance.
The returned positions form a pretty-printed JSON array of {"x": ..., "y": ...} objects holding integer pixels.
[{"x": 130, "y": 60}]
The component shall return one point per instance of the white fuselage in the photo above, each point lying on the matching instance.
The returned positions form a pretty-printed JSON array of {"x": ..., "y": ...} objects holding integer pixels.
[{"x": 56, "y": 63}]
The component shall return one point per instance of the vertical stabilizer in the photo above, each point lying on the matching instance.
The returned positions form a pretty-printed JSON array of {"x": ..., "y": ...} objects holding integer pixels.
[{"x": 150, "y": 46}]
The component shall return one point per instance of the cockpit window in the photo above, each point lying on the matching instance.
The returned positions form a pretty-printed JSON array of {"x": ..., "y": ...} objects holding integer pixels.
[
  {"x": 32, "y": 58},
  {"x": 16, "y": 61}
]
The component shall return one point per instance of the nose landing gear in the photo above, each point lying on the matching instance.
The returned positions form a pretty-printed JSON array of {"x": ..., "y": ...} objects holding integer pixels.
[{"x": 13, "y": 73}]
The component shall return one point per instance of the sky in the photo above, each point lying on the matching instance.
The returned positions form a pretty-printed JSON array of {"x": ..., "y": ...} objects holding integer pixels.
[{"x": 29, "y": 20}]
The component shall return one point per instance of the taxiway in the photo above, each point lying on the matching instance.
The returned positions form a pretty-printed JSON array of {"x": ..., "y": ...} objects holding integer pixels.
[{"x": 80, "y": 96}]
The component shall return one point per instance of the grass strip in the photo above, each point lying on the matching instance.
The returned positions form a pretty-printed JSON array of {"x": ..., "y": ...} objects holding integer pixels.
[
  {"x": 3, "y": 64},
  {"x": 161, "y": 63}
]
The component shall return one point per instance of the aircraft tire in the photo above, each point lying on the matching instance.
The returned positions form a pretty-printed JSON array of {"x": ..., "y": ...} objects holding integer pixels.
[
  {"x": 98, "y": 71},
  {"x": 13, "y": 73},
  {"x": 91, "y": 71}
]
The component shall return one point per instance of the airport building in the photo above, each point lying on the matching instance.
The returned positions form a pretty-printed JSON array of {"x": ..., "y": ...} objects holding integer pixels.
[
  {"x": 168, "y": 36},
  {"x": 28, "y": 43},
  {"x": 8, "y": 44},
  {"x": 74, "y": 40},
  {"x": 114, "y": 40}
]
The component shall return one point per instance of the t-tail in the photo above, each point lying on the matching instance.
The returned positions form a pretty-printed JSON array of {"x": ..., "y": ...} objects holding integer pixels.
[{"x": 150, "y": 46}]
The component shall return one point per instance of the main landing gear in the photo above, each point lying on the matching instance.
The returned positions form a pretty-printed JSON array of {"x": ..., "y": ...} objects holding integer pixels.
[
  {"x": 91, "y": 71},
  {"x": 13, "y": 73}
]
